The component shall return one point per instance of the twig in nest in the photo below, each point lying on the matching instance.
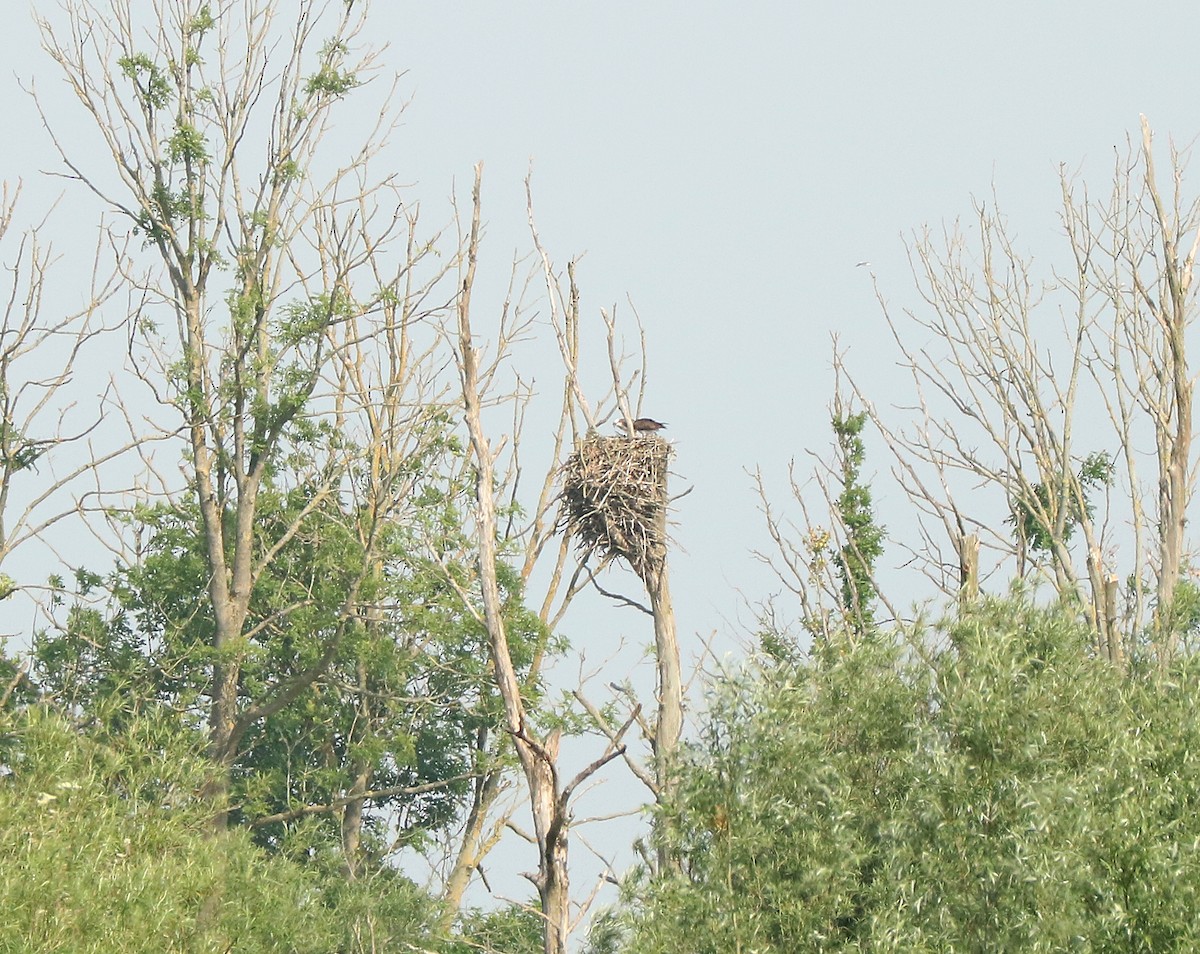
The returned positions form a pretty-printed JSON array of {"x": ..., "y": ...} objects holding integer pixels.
[{"x": 614, "y": 496}]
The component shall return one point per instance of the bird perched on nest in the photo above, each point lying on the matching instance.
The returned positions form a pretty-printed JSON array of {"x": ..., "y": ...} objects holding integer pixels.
[{"x": 643, "y": 425}]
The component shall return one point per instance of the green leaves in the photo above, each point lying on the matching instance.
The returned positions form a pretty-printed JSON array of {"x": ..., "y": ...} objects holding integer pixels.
[
  {"x": 1035, "y": 520},
  {"x": 167, "y": 208},
  {"x": 864, "y": 536},
  {"x": 113, "y": 854},
  {"x": 1016, "y": 793},
  {"x": 149, "y": 81},
  {"x": 330, "y": 80},
  {"x": 402, "y": 690},
  {"x": 304, "y": 321},
  {"x": 508, "y": 930},
  {"x": 187, "y": 144},
  {"x": 201, "y": 23}
]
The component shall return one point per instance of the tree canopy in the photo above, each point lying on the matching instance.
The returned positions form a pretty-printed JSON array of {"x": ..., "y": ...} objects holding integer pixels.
[{"x": 1012, "y": 792}]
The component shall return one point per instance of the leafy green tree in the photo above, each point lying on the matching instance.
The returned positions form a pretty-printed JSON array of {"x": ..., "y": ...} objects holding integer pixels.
[
  {"x": 108, "y": 850},
  {"x": 1016, "y": 794},
  {"x": 513, "y": 929},
  {"x": 271, "y": 333},
  {"x": 380, "y": 748},
  {"x": 864, "y": 536}
]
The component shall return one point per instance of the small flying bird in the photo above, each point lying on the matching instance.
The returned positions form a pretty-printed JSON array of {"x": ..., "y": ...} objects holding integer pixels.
[{"x": 643, "y": 425}]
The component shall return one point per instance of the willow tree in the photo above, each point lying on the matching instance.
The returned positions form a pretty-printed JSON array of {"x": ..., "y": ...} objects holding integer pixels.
[{"x": 259, "y": 286}]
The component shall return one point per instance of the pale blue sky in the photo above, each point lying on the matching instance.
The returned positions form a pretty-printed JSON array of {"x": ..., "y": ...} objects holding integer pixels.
[{"x": 727, "y": 165}]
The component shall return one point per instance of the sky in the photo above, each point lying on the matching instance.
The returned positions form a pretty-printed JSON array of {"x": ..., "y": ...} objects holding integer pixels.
[{"x": 725, "y": 167}]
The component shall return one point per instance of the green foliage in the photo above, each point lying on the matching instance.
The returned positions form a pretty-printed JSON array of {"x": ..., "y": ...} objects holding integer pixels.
[
  {"x": 96, "y": 664},
  {"x": 187, "y": 144},
  {"x": 288, "y": 170},
  {"x": 201, "y": 23},
  {"x": 306, "y": 753},
  {"x": 403, "y": 690},
  {"x": 151, "y": 83},
  {"x": 1035, "y": 520},
  {"x": 1182, "y": 617},
  {"x": 305, "y": 321},
  {"x": 864, "y": 537},
  {"x": 329, "y": 80},
  {"x": 1017, "y": 794},
  {"x": 109, "y": 851},
  {"x": 17, "y": 452},
  {"x": 509, "y": 930},
  {"x": 1097, "y": 470},
  {"x": 166, "y": 209},
  {"x": 15, "y": 687},
  {"x": 267, "y": 378}
]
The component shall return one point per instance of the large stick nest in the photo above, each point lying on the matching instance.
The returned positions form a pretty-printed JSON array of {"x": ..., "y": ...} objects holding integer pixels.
[{"x": 614, "y": 497}]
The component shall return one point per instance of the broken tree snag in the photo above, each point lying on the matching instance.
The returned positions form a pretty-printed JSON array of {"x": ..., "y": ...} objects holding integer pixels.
[
  {"x": 968, "y": 568},
  {"x": 614, "y": 500}
]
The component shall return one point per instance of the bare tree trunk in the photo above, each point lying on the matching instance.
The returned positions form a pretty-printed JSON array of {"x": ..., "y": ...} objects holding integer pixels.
[
  {"x": 352, "y": 812},
  {"x": 549, "y": 798},
  {"x": 669, "y": 725},
  {"x": 968, "y": 568},
  {"x": 472, "y": 845},
  {"x": 670, "y": 681},
  {"x": 1174, "y": 433},
  {"x": 541, "y": 774},
  {"x": 1112, "y": 632},
  {"x": 352, "y": 820}
]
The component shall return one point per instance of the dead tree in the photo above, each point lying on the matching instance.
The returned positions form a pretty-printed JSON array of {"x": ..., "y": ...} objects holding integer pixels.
[
  {"x": 1032, "y": 394},
  {"x": 614, "y": 497},
  {"x": 1166, "y": 386},
  {"x": 549, "y": 794},
  {"x": 638, "y": 533}
]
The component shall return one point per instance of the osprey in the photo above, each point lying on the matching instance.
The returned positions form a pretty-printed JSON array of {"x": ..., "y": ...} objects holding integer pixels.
[{"x": 643, "y": 425}]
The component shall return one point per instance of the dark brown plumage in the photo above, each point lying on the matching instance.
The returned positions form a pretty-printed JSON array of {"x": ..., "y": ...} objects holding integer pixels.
[{"x": 643, "y": 425}]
